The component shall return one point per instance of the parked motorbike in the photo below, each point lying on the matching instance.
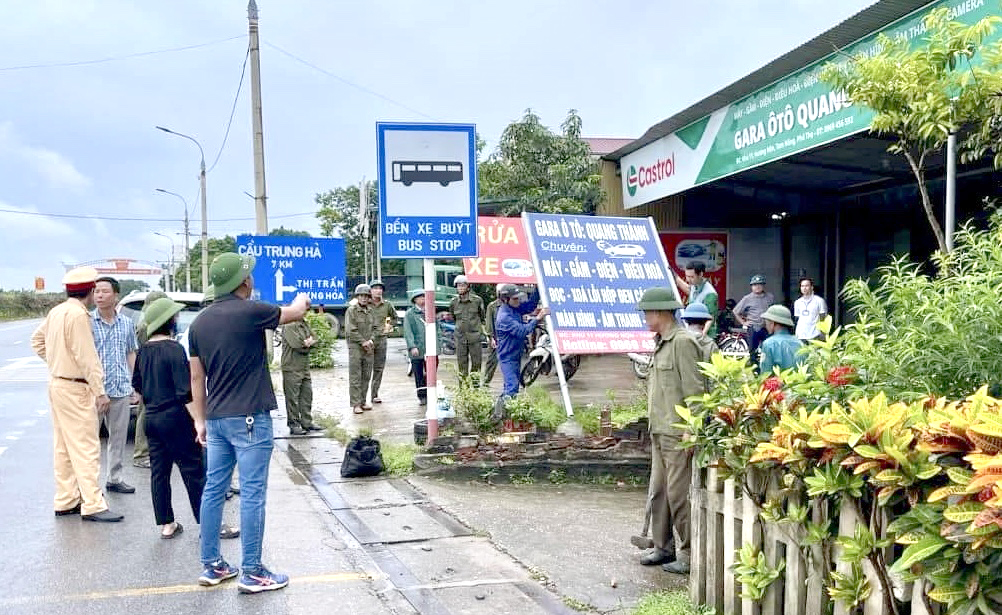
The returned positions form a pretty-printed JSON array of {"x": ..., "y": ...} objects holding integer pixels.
[
  {"x": 734, "y": 343},
  {"x": 641, "y": 364},
  {"x": 541, "y": 360}
]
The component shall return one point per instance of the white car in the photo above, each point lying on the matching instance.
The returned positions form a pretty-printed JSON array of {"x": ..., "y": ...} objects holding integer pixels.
[
  {"x": 517, "y": 268},
  {"x": 132, "y": 306},
  {"x": 624, "y": 250}
]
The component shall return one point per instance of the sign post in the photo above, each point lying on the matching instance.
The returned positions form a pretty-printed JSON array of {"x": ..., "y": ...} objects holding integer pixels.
[
  {"x": 427, "y": 210},
  {"x": 287, "y": 266}
]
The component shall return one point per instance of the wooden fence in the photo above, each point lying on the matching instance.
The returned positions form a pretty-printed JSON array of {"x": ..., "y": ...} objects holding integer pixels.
[{"x": 723, "y": 521}]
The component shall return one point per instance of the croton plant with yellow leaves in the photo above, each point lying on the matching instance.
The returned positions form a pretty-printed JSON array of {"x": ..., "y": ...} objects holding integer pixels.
[{"x": 923, "y": 475}]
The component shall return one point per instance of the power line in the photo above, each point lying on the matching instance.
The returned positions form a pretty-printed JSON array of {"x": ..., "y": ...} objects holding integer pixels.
[
  {"x": 117, "y": 58},
  {"x": 347, "y": 82},
  {"x": 129, "y": 219},
  {"x": 233, "y": 110}
]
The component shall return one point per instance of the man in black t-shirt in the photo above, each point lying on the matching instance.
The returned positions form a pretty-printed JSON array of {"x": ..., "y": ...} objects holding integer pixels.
[{"x": 233, "y": 414}]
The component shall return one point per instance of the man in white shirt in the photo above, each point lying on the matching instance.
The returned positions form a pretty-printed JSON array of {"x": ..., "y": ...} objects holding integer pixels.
[{"x": 809, "y": 309}]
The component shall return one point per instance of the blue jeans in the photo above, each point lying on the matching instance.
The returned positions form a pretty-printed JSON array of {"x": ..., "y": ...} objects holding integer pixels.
[
  {"x": 229, "y": 443},
  {"x": 509, "y": 370}
]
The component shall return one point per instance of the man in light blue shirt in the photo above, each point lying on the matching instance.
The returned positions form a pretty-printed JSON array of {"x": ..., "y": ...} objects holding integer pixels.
[
  {"x": 782, "y": 349},
  {"x": 115, "y": 339}
]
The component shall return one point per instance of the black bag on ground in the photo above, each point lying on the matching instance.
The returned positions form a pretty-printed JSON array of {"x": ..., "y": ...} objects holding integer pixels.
[{"x": 362, "y": 457}]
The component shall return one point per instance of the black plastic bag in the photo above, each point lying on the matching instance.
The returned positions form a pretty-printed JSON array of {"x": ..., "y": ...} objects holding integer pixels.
[{"x": 363, "y": 457}]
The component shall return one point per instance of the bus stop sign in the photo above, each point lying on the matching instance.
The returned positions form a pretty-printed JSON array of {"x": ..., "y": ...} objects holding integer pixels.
[{"x": 427, "y": 190}]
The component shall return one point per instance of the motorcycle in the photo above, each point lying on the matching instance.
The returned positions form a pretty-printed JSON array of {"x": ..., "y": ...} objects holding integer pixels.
[
  {"x": 541, "y": 360},
  {"x": 641, "y": 364},
  {"x": 732, "y": 343}
]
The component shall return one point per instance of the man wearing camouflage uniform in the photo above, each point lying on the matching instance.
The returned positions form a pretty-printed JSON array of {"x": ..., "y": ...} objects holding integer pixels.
[
  {"x": 467, "y": 309},
  {"x": 383, "y": 317},
  {"x": 297, "y": 339},
  {"x": 361, "y": 333},
  {"x": 492, "y": 358}
]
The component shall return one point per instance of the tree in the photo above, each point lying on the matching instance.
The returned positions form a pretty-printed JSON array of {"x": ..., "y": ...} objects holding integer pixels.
[
  {"x": 217, "y": 245},
  {"x": 132, "y": 285},
  {"x": 287, "y": 232},
  {"x": 538, "y": 170},
  {"x": 338, "y": 216},
  {"x": 921, "y": 94}
]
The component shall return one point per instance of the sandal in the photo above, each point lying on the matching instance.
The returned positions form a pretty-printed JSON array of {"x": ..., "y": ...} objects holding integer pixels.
[
  {"x": 358, "y": 410},
  {"x": 178, "y": 528},
  {"x": 228, "y": 531},
  {"x": 367, "y": 407},
  {"x": 376, "y": 400}
]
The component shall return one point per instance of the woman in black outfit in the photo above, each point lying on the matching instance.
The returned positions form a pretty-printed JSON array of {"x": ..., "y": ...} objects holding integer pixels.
[{"x": 163, "y": 379}]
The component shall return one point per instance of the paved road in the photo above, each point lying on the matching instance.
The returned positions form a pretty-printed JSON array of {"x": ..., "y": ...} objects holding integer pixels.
[{"x": 68, "y": 566}]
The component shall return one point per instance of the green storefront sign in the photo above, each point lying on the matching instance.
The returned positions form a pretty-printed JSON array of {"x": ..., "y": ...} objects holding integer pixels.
[{"x": 792, "y": 115}]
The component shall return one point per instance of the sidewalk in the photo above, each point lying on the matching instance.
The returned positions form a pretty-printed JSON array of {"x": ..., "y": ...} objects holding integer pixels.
[{"x": 477, "y": 536}]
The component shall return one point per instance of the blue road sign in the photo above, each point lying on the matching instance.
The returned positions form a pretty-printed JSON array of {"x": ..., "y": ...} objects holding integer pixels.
[
  {"x": 287, "y": 266},
  {"x": 427, "y": 190}
]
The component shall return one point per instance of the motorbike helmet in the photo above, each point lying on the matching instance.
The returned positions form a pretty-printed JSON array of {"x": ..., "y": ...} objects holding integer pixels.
[
  {"x": 758, "y": 278},
  {"x": 363, "y": 289},
  {"x": 460, "y": 279},
  {"x": 507, "y": 291}
]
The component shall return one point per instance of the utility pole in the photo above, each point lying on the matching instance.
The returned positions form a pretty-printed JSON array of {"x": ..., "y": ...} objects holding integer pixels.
[
  {"x": 260, "y": 191},
  {"x": 187, "y": 253},
  {"x": 363, "y": 225}
]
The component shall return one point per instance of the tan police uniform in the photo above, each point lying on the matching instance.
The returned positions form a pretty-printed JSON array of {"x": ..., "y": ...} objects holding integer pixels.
[{"x": 66, "y": 342}]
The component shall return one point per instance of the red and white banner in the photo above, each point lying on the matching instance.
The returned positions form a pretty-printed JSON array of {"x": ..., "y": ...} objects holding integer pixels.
[
  {"x": 504, "y": 253},
  {"x": 709, "y": 248}
]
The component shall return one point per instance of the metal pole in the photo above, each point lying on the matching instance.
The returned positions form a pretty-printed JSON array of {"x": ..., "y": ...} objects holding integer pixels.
[
  {"x": 205, "y": 232},
  {"x": 187, "y": 253},
  {"x": 951, "y": 189},
  {"x": 431, "y": 356},
  {"x": 170, "y": 262},
  {"x": 260, "y": 190}
]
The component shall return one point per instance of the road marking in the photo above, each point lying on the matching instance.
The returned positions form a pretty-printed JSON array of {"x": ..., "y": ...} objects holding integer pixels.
[{"x": 172, "y": 589}]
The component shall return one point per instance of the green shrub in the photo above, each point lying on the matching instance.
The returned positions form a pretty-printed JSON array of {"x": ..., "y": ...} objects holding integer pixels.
[
  {"x": 322, "y": 352},
  {"x": 534, "y": 405},
  {"x": 474, "y": 405},
  {"x": 669, "y": 603},
  {"x": 26, "y": 304}
]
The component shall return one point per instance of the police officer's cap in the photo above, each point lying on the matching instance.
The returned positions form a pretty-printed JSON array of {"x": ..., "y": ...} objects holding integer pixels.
[{"x": 80, "y": 279}]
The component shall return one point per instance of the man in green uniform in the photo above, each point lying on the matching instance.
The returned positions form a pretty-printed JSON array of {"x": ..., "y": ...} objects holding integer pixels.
[
  {"x": 383, "y": 317},
  {"x": 781, "y": 349},
  {"x": 414, "y": 335},
  {"x": 467, "y": 309},
  {"x": 141, "y": 453},
  {"x": 297, "y": 339},
  {"x": 361, "y": 333},
  {"x": 492, "y": 358},
  {"x": 674, "y": 376}
]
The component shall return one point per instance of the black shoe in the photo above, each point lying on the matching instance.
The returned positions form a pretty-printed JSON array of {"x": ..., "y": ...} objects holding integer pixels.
[
  {"x": 105, "y": 516},
  {"x": 296, "y": 430},
  {"x": 120, "y": 487},
  {"x": 314, "y": 428},
  {"x": 676, "y": 567},
  {"x": 656, "y": 556},
  {"x": 69, "y": 511}
]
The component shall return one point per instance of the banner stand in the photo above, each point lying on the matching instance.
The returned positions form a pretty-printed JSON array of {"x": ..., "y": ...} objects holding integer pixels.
[{"x": 544, "y": 300}]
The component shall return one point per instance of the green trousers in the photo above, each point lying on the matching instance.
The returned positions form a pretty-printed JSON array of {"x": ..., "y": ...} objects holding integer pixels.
[
  {"x": 359, "y": 373},
  {"x": 142, "y": 444},
  {"x": 378, "y": 363},
  {"x": 468, "y": 353},
  {"x": 298, "y": 388}
]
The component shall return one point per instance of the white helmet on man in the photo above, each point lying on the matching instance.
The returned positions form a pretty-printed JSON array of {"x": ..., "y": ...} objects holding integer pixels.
[{"x": 460, "y": 279}]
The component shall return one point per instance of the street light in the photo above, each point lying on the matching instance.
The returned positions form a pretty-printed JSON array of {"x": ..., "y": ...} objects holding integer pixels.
[
  {"x": 170, "y": 262},
  {"x": 205, "y": 223},
  {"x": 187, "y": 249}
]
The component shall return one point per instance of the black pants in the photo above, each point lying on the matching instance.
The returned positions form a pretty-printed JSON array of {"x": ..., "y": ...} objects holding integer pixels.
[
  {"x": 757, "y": 337},
  {"x": 171, "y": 434},
  {"x": 420, "y": 382}
]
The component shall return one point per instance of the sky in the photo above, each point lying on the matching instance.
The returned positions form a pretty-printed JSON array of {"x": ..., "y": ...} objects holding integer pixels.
[{"x": 80, "y": 140}]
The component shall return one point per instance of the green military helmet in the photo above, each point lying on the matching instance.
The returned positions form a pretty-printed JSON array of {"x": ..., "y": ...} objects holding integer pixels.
[
  {"x": 507, "y": 291},
  {"x": 758, "y": 278},
  {"x": 659, "y": 298},
  {"x": 460, "y": 279},
  {"x": 778, "y": 314},
  {"x": 377, "y": 282},
  {"x": 153, "y": 296},
  {"x": 363, "y": 289}
]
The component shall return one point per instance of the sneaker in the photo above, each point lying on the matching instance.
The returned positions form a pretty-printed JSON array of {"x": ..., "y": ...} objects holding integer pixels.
[
  {"x": 261, "y": 580},
  {"x": 296, "y": 430},
  {"x": 214, "y": 574}
]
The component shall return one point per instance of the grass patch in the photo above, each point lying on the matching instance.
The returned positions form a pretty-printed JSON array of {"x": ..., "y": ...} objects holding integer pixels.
[
  {"x": 669, "y": 603},
  {"x": 577, "y": 605},
  {"x": 333, "y": 428},
  {"x": 398, "y": 458},
  {"x": 534, "y": 405},
  {"x": 621, "y": 413}
]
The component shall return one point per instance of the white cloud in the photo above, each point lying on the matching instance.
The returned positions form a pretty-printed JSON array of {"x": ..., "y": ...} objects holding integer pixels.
[
  {"x": 50, "y": 165},
  {"x": 19, "y": 222}
]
